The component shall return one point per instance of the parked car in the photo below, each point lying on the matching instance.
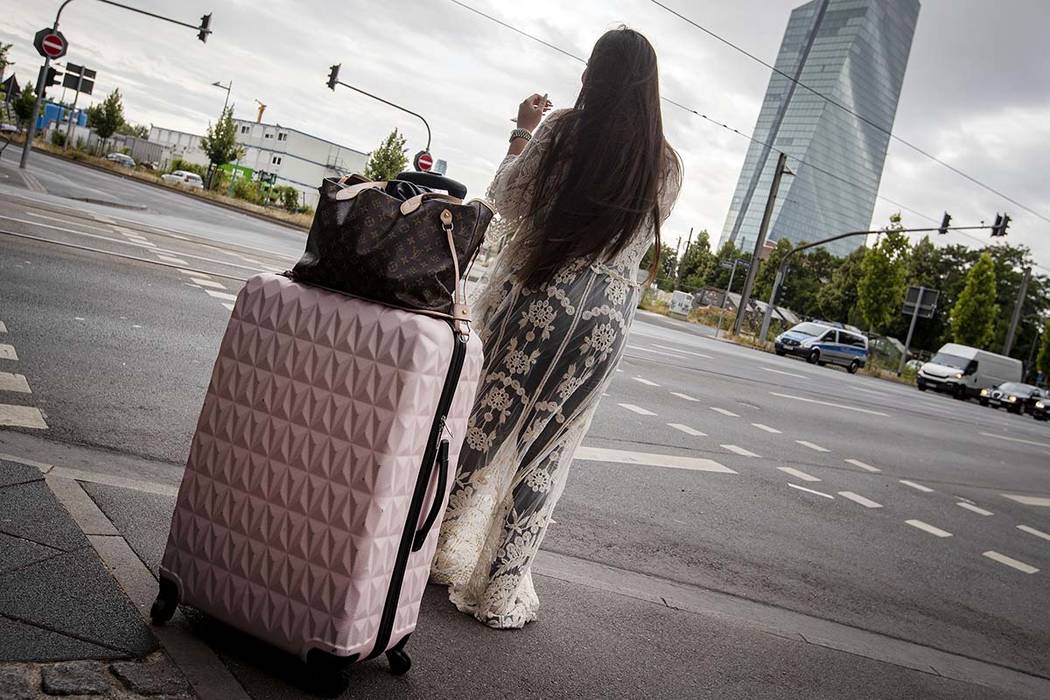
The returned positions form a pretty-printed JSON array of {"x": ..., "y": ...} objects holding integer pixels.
[
  {"x": 9, "y": 129},
  {"x": 1013, "y": 396},
  {"x": 821, "y": 344},
  {"x": 1041, "y": 408},
  {"x": 184, "y": 178},
  {"x": 121, "y": 159},
  {"x": 963, "y": 371}
]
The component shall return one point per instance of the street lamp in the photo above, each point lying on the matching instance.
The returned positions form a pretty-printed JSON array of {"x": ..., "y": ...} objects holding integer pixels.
[{"x": 227, "y": 88}]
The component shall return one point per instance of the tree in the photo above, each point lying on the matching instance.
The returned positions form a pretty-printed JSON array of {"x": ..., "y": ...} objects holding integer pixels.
[
  {"x": 696, "y": 262},
  {"x": 219, "y": 142},
  {"x": 837, "y": 300},
  {"x": 110, "y": 116},
  {"x": 4, "y": 60},
  {"x": 974, "y": 314},
  {"x": 137, "y": 130},
  {"x": 665, "y": 275},
  {"x": 1042, "y": 360},
  {"x": 389, "y": 159},
  {"x": 883, "y": 278},
  {"x": 24, "y": 105},
  {"x": 718, "y": 276}
]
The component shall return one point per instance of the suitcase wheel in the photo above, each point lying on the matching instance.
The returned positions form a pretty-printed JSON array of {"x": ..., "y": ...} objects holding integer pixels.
[
  {"x": 399, "y": 660},
  {"x": 330, "y": 674},
  {"x": 166, "y": 603}
]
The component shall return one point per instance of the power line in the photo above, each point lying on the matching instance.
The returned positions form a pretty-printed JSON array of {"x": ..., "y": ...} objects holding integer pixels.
[{"x": 856, "y": 114}]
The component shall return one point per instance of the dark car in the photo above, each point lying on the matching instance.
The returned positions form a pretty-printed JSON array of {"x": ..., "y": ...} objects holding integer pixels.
[{"x": 1013, "y": 396}]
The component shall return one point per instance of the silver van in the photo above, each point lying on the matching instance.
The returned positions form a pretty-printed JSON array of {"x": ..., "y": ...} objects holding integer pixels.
[
  {"x": 963, "y": 371},
  {"x": 821, "y": 344}
]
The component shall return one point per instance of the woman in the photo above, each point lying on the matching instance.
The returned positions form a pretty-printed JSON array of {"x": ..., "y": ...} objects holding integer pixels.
[{"x": 581, "y": 201}]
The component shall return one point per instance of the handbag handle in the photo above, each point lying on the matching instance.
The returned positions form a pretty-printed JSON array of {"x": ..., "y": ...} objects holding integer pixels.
[
  {"x": 439, "y": 497},
  {"x": 354, "y": 190}
]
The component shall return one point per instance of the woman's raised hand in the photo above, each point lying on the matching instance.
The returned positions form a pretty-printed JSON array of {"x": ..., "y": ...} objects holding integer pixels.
[{"x": 531, "y": 111}]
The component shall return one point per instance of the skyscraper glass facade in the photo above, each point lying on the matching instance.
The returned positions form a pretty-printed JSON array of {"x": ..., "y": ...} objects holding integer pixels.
[{"x": 854, "y": 52}]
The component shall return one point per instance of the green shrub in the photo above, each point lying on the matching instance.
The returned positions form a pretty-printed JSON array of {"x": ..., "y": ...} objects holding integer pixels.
[
  {"x": 58, "y": 138},
  {"x": 246, "y": 189},
  {"x": 180, "y": 164}
]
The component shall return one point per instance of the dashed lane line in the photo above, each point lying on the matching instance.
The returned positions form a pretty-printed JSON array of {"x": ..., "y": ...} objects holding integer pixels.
[
  {"x": 798, "y": 474},
  {"x": 636, "y": 409},
  {"x": 597, "y": 454},
  {"x": 684, "y": 397},
  {"x": 1039, "y": 501},
  {"x": 724, "y": 412},
  {"x": 917, "y": 487},
  {"x": 857, "y": 498},
  {"x": 686, "y": 352},
  {"x": 221, "y": 295},
  {"x": 7, "y": 352},
  {"x": 1033, "y": 531},
  {"x": 64, "y": 221},
  {"x": 229, "y": 307},
  {"x": 194, "y": 273},
  {"x": 3, "y": 328},
  {"x": 812, "y": 446},
  {"x": 21, "y": 417},
  {"x": 818, "y": 493},
  {"x": 172, "y": 260},
  {"x": 14, "y": 382},
  {"x": 829, "y": 403},
  {"x": 1020, "y": 440},
  {"x": 974, "y": 509},
  {"x": 1011, "y": 562},
  {"x": 735, "y": 449},
  {"x": 926, "y": 527},
  {"x": 766, "y": 428},
  {"x": 687, "y": 430},
  {"x": 206, "y": 283},
  {"x": 656, "y": 352},
  {"x": 642, "y": 380},
  {"x": 786, "y": 374},
  {"x": 862, "y": 465}
]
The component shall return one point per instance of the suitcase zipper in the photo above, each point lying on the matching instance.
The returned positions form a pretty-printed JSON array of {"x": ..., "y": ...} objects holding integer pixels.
[{"x": 408, "y": 535}]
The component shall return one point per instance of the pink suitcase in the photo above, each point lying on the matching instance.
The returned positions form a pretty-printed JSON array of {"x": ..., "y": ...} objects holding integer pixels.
[{"x": 318, "y": 475}]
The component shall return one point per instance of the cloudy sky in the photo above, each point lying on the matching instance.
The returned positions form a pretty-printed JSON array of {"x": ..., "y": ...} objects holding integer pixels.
[{"x": 976, "y": 94}]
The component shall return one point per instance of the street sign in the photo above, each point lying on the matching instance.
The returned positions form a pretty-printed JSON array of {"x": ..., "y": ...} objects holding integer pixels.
[
  {"x": 927, "y": 304},
  {"x": 79, "y": 78},
  {"x": 423, "y": 161},
  {"x": 50, "y": 43},
  {"x": 729, "y": 264}
]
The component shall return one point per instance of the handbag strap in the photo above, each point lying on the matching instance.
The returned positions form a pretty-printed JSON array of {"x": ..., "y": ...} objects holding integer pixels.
[{"x": 460, "y": 308}]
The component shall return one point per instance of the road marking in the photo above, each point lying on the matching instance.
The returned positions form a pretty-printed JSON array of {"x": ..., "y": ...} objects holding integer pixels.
[
  {"x": 1010, "y": 439},
  {"x": 229, "y": 307},
  {"x": 786, "y": 374},
  {"x": 687, "y": 352},
  {"x": 597, "y": 454},
  {"x": 250, "y": 261},
  {"x": 1033, "y": 531},
  {"x": 677, "y": 356},
  {"x": 818, "y": 493},
  {"x": 687, "y": 430},
  {"x": 739, "y": 450},
  {"x": 724, "y": 412},
  {"x": 857, "y": 498},
  {"x": 929, "y": 528},
  {"x": 918, "y": 487},
  {"x": 14, "y": 382},
  {"x": 21, "y": 417},
  {"x": 206, "y": 283},
  {"x": 640, "y": 380},
  {"x": 194, "y": 273},
  {"x": 798, "y": 474},
  {"x": 812, "y": 446},
  {"x": 1039, "y": 501},
  {"x": 142, "y": 242},
  {"x": 862, "y": 465},
  {"x": 81, "y": 318},
  {"x": 7, "y": 352},
  {"x": 974, "y": 509},
  {"x": 221, "y": 295},
  {"x": 828, "y": 403},
  {"x": 65, "y": 221},
  {"x": 760, "y": 426},
  {"x": 1012, "y": 563},
  {"x": 685, "y": 397},
  {"x": 173, "y": 261},
  {"x": 636, "y": 409},
  {"x": 3, "y": 328}
]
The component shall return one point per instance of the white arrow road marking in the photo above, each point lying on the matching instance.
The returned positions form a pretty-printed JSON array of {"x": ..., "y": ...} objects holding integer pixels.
[
  {"x": 1012, "y": 563},
  {"x": 597, "y": 454}
]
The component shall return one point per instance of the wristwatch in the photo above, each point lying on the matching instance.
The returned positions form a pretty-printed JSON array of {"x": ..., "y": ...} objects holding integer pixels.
[{"x": 521, "y": 134}]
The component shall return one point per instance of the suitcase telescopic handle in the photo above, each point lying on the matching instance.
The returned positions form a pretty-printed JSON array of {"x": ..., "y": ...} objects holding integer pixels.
[{"x": 439, "y": 498}]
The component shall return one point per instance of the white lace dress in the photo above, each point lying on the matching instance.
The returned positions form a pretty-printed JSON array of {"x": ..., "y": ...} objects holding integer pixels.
[{"x": 549, "y": 355}]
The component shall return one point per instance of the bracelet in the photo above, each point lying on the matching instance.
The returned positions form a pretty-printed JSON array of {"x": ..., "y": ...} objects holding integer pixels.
[{"x": 521, "y": 134}]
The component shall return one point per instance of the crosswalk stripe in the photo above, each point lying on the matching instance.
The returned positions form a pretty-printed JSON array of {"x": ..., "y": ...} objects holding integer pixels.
[
  {"x": 700, "y": 464},
  {"x": 687, "y": 430},
  {"x": 14, "y": 382},
  {"x": 3, "y": 328},
  {"x": 637, "y": 409},
  {"x": 221, "y": 295},
  {"x": 21, "y": 417},
  {"x": 7, "y": 352}
]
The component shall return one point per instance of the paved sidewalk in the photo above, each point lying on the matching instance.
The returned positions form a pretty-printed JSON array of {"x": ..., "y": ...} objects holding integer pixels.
[{"x": 602, "y": 632}]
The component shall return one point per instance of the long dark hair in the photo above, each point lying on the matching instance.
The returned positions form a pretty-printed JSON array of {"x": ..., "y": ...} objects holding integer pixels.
[{"x": 601, "y": 179}]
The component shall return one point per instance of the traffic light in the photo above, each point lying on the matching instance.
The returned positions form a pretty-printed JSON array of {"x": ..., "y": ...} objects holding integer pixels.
[
  {"x": 205, "y": 28},
  {"x": 1001, "y": 222},
  {"x": 945, "y": 222},
  {"x": 333, "y": 76},
  {"x": 44, "y": 82}
]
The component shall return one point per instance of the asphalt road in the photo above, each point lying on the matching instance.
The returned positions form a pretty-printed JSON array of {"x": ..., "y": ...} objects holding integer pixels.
[{"x": 843, "y": 497}]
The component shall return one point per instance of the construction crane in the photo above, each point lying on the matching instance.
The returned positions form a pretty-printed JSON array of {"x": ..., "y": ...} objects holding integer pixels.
[{"x": 262, "y": 108}]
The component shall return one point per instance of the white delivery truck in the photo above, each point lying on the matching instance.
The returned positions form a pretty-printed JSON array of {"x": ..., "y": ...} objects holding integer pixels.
[{"x": 963, "y": 371}]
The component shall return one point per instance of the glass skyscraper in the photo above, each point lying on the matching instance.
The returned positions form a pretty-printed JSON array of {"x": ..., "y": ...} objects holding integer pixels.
[{"x": 854, "y": 52}]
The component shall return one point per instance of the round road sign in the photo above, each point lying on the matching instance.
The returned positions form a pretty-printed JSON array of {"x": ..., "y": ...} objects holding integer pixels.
[
  {"x": 51, "y": 43},
  {"x": 424, "y": 161}
]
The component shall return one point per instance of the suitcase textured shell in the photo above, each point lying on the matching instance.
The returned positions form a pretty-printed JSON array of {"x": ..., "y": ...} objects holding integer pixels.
[{"x": 305, "y": 459}]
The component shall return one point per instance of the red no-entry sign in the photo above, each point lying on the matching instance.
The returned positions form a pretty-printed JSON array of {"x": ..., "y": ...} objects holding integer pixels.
[
  {"x": 50, "y": 43},
  {"x": 424, "y": 161}
]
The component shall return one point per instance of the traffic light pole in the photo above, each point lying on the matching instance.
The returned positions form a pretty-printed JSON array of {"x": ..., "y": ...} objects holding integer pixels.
[
  {"x": 1009, "y": 344},
  {"x": 388, "y": 102},
  {"x": 31, "y": 132}
]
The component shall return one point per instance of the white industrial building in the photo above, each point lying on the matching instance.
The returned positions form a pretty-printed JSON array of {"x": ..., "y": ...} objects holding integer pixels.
[{"x": 298, "y": 159}]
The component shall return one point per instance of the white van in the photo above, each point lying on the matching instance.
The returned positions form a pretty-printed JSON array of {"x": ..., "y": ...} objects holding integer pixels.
[{"x": 964, "y": 371}]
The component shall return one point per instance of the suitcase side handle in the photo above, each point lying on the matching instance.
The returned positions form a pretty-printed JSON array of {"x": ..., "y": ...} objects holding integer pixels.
[{"x": 439, "y": 498}]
